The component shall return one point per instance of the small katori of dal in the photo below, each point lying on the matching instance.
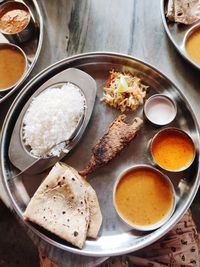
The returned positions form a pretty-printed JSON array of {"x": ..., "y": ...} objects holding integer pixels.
[{"x": 51, "y": 118}]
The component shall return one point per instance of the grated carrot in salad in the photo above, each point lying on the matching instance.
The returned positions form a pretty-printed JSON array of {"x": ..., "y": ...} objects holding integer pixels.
[{"x": 124, "y": 91}]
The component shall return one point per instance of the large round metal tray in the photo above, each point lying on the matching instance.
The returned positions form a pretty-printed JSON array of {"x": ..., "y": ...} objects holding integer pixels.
[
  {"x": 115, "y": 237},
  {"x": 177, "y": 33},
  {"x": 31, "y": 48}
]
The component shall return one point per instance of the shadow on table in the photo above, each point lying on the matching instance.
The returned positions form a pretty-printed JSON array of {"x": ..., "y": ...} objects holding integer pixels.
[{"x": 16, "y": 249}]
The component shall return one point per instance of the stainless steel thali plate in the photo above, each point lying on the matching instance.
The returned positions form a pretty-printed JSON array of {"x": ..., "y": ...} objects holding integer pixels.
[
  {"x": 31, "y": 47},
  {"x": 178, "y": 33},
  {"x": 115, "y": 237}
]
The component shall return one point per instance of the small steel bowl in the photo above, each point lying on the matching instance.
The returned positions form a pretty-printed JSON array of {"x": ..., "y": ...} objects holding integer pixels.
[
  {"x": 17, "y": 48},
  {"x": 153, "y": 107},
  {"x": 167, "y": 215},
  {"x": 187, "y": 36},
  {"x": 24, "y": 34},
  {"x": 168, "y": 131}
]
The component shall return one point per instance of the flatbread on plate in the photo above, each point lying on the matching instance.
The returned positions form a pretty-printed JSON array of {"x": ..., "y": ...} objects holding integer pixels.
[
  {"x": 62, "y": 205},
  {"x": 95, "y": 218},
  {"x": 183, "y": 11}
]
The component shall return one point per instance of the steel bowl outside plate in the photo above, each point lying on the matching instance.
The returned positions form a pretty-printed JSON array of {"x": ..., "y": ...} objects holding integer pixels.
[
  {"x": 27, "y": 31},
  {"x": 19, "y": 50},
  {"x": 31, "y": 48},
  {"x": 115, "y": 237}
]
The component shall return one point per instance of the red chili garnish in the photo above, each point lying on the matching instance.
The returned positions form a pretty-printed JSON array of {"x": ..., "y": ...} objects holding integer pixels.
[{"x": 108, "y": 81}]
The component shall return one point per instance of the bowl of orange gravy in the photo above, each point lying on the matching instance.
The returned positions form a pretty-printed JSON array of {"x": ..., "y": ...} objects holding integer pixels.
[
  {"x": 192, "y": 44},
  {"x": 16, "y": 22},
  {"x": 137, "y": 192},
  {"x": 13, "y": 65},
  {"x": 173, "y": 150}
]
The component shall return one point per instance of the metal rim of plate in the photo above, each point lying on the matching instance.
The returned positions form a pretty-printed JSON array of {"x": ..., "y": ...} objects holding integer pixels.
[
  {"x": 6, "y": 95},
  {"x": 180, "y": 47},
  {"x": 120, "y": 242}
]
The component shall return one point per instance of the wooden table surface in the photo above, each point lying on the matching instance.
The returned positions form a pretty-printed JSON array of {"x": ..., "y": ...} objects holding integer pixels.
[{"x": 132, "y": 27}]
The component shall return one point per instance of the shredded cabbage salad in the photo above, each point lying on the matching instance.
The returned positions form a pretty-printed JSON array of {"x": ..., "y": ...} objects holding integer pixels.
[{"x": 124, "y": 91}]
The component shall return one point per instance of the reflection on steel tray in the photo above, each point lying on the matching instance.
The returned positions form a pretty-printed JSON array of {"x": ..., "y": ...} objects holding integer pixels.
[
  {"x": 32, "y": 47},
  {"x": 115, "y": 237}
]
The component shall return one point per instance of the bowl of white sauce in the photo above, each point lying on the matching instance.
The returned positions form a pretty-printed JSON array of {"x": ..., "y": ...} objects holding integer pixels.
[{"x": 160, "y": 110}]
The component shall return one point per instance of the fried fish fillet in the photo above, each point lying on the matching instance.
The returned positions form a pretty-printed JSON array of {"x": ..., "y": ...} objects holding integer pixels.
[{"x": 117, "y": 137}]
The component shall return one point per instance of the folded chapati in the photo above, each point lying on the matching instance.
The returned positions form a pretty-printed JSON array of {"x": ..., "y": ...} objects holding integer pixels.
[
  {"x": 65, "y": 204},
  {"x": 170, "y": 10},
  {"x": 95, "y": 219},
  {"x": 183, "y": 11}
]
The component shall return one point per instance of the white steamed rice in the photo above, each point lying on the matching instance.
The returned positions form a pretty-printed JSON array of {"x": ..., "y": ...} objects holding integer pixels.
[{"x": 51, "y": 118}]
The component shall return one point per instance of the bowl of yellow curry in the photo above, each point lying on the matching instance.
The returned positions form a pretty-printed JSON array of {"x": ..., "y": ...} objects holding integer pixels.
[
  {"x": 13, "y": 65},
  {"x": 144, "y": 197},
  {"x": 192, "y": 44}
]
